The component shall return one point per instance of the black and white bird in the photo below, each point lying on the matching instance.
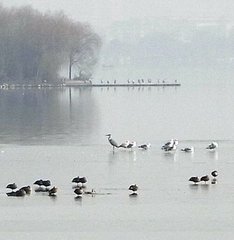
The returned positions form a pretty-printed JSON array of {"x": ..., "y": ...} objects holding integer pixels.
[
  {"x": 53, "y": 191},
  {"x": 18, "y": 193},
  {"x": 133, "y": 188},
  {"x": 38, "y": 182},
  {"x": 144, "y": 146},
  {"x": 205, "y": 178},
  {"x": 12, "y": 186},
  {"x": 27, "y": 189},
  {"x": 188, "y": 149},
  {"x": 131, "y": 145},
  {"x": 170, "y": 146},
  {"x": 212, "y": 146},
  {"x": 40, "y": 185},
  {"x": 46, "y": 183},
  {"x": 214, "y": 181},
  {"x": 195, "y": 180},
  {"x": 78, "y": 192},
  {"x": 214, "y": 173},
  {"x": 124, "y": 144},
  {"x": 80, "y": 181},
  {"x": 112, "y": 142}
]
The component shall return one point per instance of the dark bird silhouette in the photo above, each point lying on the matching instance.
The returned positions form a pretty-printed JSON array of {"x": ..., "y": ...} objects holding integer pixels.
[
  {"x": 80, "y": 180},
  {"x": 133, "y": 188},
  {"x": 171, "y": 145},
  {"x": 194, "y": 180},
  {"x": 212, "y": 146},
  {"x": 205, "y": 178},
  {"x": 187, "y": 149},
  {"x": 78, "y": 192},
  {"x": 39, "y": 182},
  {"x": 131, "y": 145},
  {"x": 12, "y": 186},
  {"x": 144, "y": 146},
  {"x": 53, "y": 191},
  {"x": 214, "y": 181},
  {"x": 27, "y": 189},
  {"x": 46, "y": 183},
  {"x": 214, "y": 173},
  {"x": 168, "y": 144},
  {"x": 76, "y": 179},
  {"x": 112, "y": 142},
  {"x": 11, "y": 194},
  {"x": 18, "y": 193}
]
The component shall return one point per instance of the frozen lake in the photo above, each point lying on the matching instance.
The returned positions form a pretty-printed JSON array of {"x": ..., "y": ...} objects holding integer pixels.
[{"x": 58, "y": 134}]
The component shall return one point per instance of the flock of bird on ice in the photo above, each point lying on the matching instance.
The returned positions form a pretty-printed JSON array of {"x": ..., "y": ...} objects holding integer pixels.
[
  {"x": 169, "y": 147},
  {"x": 45, "y": 185}
]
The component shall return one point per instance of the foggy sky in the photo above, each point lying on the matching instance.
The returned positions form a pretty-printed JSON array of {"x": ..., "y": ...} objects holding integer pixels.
[{"x": 101, "y": 13}]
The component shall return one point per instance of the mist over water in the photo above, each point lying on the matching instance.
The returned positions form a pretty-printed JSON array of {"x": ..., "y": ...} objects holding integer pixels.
[{"x": 74, "y": 116}]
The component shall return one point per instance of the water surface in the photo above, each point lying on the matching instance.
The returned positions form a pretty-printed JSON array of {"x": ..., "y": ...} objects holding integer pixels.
[{"x": 58, "y": 134}]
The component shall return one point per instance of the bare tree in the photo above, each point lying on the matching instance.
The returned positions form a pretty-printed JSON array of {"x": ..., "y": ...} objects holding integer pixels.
[
  {"x": 84, "y": 51},
  {"x": 33, "y": 45}
]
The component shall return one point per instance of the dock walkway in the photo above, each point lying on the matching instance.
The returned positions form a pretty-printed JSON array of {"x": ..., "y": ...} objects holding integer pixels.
[
  {"x": 75, "y": 84},
  {"x": 124, "y": 85}
]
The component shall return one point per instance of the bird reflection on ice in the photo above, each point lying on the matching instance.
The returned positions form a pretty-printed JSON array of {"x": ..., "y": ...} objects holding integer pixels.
[
  {"x": 122, "y": 155},
  {"x": 213, "y": 155},
  {"x": 171, "y": 155}
]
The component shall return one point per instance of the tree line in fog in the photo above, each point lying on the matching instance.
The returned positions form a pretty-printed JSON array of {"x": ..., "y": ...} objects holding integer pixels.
[{"x": 35, "y": 46}]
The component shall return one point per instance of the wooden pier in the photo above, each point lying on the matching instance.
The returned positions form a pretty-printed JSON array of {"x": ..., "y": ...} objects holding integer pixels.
[
  {"x": 88, "y": 85},
  {"x": 124, "y": 85}
]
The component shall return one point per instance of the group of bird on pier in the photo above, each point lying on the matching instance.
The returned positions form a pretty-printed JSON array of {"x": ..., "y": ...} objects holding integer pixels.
[
  {"x": 169, "y": 146},
  {"x": 139, "y": 81}
]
